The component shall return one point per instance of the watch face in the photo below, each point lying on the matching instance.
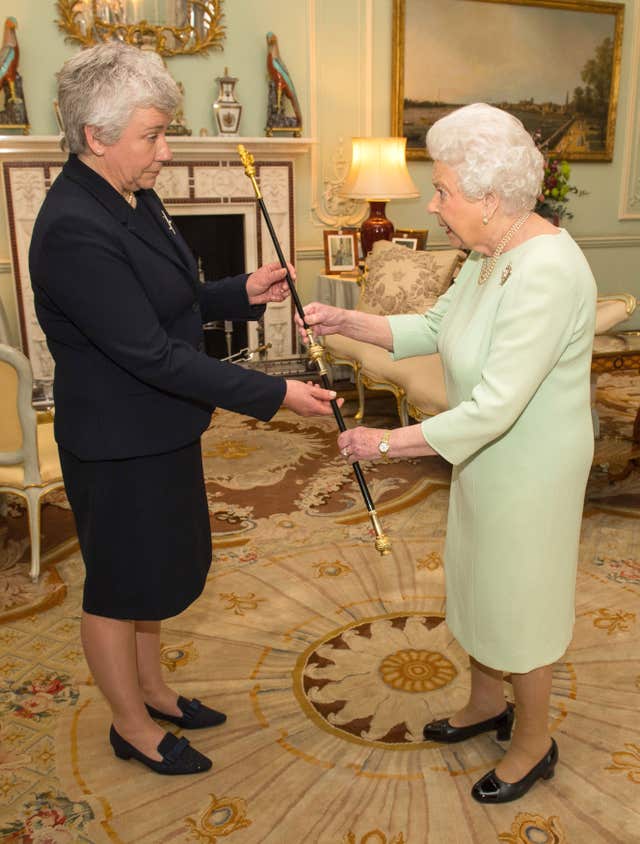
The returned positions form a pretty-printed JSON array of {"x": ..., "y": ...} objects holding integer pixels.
[{"x": 383, "y": 447}]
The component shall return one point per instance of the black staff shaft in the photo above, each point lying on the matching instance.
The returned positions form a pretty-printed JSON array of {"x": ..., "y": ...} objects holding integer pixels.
[
  {"x": 325, "y": 381},
  {"x": 316, "y": 353}
]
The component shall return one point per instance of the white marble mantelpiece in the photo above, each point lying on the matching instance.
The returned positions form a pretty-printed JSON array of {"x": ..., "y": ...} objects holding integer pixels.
[
  {"x": 205, "y": 177},
  {"x": 34, "y": 147}
]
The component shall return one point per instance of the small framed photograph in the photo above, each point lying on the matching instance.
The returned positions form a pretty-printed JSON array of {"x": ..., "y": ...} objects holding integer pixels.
[
  {"x": 360, "y": 251},
  {"x": 409, "y": 242},
  {"x": 415, "y": 239},
  {"x": 340, "y": 251}
]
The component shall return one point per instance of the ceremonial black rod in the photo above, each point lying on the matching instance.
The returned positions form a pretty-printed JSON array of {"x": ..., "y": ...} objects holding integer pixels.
[{"x": 315, "y": 350}]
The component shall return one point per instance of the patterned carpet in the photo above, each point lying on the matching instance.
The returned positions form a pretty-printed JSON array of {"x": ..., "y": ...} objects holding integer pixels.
[{"x": 328, "y": 660}]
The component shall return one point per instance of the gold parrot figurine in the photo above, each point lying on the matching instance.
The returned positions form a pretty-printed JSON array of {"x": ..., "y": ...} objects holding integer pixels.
[{"x": 9, "y": 57}]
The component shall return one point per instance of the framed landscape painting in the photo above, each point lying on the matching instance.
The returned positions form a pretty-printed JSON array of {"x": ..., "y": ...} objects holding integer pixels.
[{"x": 554, "y": 64}]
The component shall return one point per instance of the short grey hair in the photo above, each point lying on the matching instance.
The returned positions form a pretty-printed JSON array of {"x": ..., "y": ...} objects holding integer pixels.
[
  {"x": 489, "y": 150},
  {"x": 103, "y": 85}
]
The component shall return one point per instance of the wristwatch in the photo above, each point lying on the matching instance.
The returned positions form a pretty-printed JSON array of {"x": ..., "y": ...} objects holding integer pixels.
[{"x": 384, "y": 445}]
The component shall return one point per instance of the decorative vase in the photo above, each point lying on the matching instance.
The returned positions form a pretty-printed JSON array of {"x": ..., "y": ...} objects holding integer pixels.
[{"x": 226, "y": 108}]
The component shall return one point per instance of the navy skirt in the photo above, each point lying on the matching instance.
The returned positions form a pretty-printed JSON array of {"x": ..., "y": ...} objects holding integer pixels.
[{"x": 143, "y": 526}]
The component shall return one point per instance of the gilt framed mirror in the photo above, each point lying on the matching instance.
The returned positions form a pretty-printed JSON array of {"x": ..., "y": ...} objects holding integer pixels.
[{"x": 171, "y": 27}]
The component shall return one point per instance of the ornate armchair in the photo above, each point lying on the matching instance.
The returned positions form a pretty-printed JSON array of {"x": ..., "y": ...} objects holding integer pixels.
[
  {"x": 611, "y": 311},
  {"x": 29, "y": 464},
  {"x": 398, "y": 280}
]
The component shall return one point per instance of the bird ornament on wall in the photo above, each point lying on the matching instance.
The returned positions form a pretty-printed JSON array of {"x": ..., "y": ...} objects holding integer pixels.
[
  {"x": 281, "y": 91},
  {"x": 14, "y": 113}
]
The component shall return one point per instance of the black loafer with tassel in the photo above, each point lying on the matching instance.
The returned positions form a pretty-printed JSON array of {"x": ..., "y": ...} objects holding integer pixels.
[
  {"x": 178, "y": 757},
  {"x": 444, "y": 732},
  {"x": 195, "y": 715},
  {"x": 491, "y": 789}
]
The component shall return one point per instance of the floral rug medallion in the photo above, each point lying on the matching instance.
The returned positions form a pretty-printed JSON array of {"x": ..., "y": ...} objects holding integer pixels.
[
  {"x": 328, "y": 660},
  {"x": 363, "y": 679}
]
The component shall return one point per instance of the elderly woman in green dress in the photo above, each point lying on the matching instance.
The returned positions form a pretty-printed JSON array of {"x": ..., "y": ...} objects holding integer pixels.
[{"x": 514, "y": 333}]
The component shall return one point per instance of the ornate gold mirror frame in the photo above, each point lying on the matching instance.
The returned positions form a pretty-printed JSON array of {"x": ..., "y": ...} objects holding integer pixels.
[{"x": 197, "y": 24}]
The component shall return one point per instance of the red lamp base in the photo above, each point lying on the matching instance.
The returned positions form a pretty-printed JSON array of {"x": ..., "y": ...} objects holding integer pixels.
[{"x": 375, "y": 227}]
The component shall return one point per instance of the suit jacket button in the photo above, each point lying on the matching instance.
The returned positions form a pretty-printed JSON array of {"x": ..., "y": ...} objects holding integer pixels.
[{"x": 195, "y": 307}]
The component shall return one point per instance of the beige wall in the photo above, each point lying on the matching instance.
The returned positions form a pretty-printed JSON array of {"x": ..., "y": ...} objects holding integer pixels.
[{"x": 339, "y": 55}]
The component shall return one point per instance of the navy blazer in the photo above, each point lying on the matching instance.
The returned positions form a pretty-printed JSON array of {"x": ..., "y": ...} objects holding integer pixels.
[{"x": 117, "y": 295}]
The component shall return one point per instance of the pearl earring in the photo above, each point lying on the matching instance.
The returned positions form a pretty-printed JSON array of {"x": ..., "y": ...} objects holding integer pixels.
[{"x": 485, "y": 220}]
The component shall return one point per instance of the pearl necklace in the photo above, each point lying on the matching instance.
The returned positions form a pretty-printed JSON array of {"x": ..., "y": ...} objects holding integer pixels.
[{"x": 488, "y": 264}]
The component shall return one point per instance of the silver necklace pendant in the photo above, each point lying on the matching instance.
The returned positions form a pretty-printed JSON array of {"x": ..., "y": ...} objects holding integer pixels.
[{"x": 168, "y": 221}]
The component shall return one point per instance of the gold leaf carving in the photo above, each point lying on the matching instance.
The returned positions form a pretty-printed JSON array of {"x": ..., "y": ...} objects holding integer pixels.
[
  {"x": 222, "y": 816},
  {"x": 528, "y": 827},
  {"x": 629, "y": 761},
  {"x": 612, "y": 621},
  {"x": 240, "y": 604}
]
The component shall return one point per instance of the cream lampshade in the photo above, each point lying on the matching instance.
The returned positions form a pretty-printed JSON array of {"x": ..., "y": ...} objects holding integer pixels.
[{"x": 378, "y": 173}]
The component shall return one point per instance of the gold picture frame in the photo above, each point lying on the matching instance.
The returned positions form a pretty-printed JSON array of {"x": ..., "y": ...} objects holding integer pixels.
[
  {"x": 340, "y": 251},
  {"x": 576, "y": 119},
  {"x": 415, "y": 239}
]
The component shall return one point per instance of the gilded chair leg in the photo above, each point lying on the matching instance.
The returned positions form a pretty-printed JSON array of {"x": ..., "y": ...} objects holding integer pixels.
[
  {"x": 330, "y": 375},
  {"x": 33, "y": 506},
  {"x": 360, "y": 388},
  {"x": 401, "y": 404}
]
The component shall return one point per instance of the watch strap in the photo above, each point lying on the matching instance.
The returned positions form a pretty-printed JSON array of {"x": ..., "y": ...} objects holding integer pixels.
[{"x": 385, "y": 441}]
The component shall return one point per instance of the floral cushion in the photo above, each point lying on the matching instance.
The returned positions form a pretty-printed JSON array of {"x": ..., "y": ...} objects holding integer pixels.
[{"x": 401, "y": 281}]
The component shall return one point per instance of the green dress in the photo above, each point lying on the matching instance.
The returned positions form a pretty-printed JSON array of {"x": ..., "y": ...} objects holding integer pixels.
[{"x": 516, "y": 354}]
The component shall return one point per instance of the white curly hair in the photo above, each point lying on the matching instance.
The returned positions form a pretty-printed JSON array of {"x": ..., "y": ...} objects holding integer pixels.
[{"x": 490, "y": 151}]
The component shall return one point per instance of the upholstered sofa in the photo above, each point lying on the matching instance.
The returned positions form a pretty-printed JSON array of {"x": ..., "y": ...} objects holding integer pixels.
[{"x": 398, "y": 280}]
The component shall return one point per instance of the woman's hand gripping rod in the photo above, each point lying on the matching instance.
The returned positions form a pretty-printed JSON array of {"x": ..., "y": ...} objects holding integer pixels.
[{"x": 315, "y": 351}]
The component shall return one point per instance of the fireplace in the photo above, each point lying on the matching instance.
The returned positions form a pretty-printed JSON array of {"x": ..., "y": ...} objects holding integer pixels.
[
  {"x": 204, "y": 181},
  {"x": 217, "y": 244}
]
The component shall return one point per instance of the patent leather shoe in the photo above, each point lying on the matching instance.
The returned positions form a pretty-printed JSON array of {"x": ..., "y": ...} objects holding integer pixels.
[
  {"x": 491, "y": 789},
  {"x": 444, "y": 732},
  {"x": 195, "y": 715},
  {"x": 178, "y": 757}
]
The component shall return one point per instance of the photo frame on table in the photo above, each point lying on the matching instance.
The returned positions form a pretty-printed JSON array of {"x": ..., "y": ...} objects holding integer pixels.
[
  {"x": 559, "y": 68},
  {"x": 415, "y": 239},
  {"x": 340, "y": 251}
]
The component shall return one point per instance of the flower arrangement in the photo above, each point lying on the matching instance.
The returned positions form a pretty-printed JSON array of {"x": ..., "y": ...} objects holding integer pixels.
[{"x": 556, "y": 187}]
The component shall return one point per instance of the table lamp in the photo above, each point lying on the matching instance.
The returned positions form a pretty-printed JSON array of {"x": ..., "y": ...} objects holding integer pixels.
[{"x": 378, "y": 173}]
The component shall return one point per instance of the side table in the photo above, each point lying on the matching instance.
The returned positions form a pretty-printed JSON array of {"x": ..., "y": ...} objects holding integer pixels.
[
  {"x": 337, "y": 290},
  {"x": 618, "y": 353}
]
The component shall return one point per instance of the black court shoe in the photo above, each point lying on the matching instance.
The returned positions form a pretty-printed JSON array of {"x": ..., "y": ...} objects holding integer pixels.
[
  {"x": 195, "y": 715},
  {"x": 178, "y": 757},
  {"x": 442, "y": 730},
  {"x": 491, "y": 789}
]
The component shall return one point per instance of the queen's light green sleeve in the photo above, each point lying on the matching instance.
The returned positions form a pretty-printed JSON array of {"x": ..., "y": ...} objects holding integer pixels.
[{"x": 541, "y": 313}]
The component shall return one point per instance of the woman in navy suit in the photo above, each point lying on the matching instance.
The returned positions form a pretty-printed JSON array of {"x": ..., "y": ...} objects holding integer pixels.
[{"x": 117, "y": 295}]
